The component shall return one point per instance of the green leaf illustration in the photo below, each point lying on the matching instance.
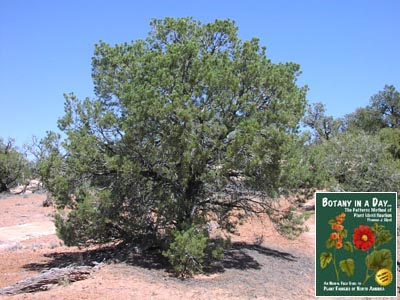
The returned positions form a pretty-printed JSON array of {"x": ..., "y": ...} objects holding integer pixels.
[
  {"x": 379, "y": 259},
  {"x": 348, "y": 246},
  {"x": 331, "y": 222},
  {"x": 383, "y": 236},
  {"x": 330, "y": 243},
  {"x": 343, "y": 233},
  {"x": 376, "y": 227},
  {"x": 347, "y": 266},
  {"x": 325, "y": 259}
]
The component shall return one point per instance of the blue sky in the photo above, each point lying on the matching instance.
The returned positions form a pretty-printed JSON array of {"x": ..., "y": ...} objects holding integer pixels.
[{"x": 348, "y": 50}]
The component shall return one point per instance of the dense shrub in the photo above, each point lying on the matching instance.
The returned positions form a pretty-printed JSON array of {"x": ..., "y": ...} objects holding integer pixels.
[
  {"x": 360, "y": 162},
  {"x": 187, "y": 251},
  {"x": 14, "y": 167}
]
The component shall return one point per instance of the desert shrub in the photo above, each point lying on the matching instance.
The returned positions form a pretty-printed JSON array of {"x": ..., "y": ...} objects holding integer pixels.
[
  {"x": 187, "y": 251},
  {"x": 360, "y": 162},
  {"x": 390, "y": 137},
  {"x": 189, "y": 248},
  {"x": 14, "y": 167},
  {"x": 290, "y": 224},
  {"x": 84, "y": 223}
]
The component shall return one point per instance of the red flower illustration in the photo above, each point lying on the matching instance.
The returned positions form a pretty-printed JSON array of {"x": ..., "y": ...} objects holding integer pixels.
[{"x": 363, "y": 237}]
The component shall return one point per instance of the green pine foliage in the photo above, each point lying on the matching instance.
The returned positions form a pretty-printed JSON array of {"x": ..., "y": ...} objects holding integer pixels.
[
  {"x": 14, "y": 167},
  {"x": 391, "y": 138},
  {"x": 360, "y": 162},
  {"x": 187, "y": 251},
  {"x": 190, "y": 248},
  {"x": 187, "y": 122}
]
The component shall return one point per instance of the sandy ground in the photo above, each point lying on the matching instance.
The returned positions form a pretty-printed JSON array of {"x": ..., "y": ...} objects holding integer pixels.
[
  {"x": 275, "y": 269},
  {"x": 10, "y": 236}
]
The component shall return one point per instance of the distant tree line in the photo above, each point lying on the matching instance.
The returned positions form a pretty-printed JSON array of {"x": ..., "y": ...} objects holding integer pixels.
[{"x": 359, "y": 152}]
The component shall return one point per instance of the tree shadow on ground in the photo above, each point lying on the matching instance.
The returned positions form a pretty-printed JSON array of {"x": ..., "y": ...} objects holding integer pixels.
[
  {"x": 151, "y": 259},
  {"x": 265, "y": 251},
  {"x": 237, "y": 257}
]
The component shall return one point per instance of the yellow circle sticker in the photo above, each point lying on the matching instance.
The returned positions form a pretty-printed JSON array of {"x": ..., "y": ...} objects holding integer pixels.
[{"x": 383, "y": 277}]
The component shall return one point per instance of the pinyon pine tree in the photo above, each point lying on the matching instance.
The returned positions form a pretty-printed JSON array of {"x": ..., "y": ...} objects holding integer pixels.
[{"x": 188, "y": 124}]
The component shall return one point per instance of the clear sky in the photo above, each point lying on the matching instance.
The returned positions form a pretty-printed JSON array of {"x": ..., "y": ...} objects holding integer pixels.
[{"x": 348, "y": 49}]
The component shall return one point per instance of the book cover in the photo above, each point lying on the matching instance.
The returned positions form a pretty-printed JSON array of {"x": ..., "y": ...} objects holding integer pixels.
[{"x": 356, "y": 244}]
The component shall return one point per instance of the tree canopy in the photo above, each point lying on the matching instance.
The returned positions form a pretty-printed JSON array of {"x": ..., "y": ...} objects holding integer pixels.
[
  {"x": 187, "y": 124},
  {"x": 383, "y": 112}
]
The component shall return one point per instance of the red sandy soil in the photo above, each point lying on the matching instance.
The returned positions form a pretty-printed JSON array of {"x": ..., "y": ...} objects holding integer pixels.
[{"x": 274, "y": 269}]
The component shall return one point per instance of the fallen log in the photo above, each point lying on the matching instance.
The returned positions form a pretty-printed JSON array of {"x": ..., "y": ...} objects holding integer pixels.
[{"x": 47, "y": 279}]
